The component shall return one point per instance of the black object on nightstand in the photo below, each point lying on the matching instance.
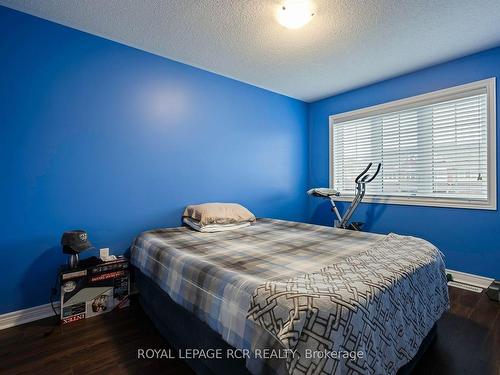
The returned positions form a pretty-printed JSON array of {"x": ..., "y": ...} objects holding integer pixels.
[
  {"x": 94, "y": 288},
  {"x": 73, "y": 243}
]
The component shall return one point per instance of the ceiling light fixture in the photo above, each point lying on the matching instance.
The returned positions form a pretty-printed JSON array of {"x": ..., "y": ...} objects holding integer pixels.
[{"x": 294, "y": 14}]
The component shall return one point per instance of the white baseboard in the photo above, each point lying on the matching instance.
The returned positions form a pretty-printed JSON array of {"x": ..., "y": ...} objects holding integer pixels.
[
  {"x": 470, "y": 288},
  {"x": 467, "y": 278},
  {"x": 19, "y": 317}
]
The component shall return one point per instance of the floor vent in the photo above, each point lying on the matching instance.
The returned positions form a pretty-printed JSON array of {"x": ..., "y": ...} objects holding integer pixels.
[{"x": 471, "y": 288}]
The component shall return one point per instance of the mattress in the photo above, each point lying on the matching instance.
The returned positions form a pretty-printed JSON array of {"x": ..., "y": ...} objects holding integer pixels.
[{"x": 303, "y": 289}]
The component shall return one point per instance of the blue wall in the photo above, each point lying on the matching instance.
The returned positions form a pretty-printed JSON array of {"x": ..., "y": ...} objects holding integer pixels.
[
  {"x": 470, "y": 239},
  {"x": 104, "y": 137}
]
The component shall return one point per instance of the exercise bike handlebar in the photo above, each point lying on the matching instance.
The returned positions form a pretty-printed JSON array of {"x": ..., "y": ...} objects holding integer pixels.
[
  {"x": 366, "y": 177},
  {"x": 363, "y": 173},
  {"x": 376, "y": 173}
]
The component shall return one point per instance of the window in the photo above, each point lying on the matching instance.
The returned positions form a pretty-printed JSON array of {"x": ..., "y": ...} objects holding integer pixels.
[{"x": 436, "y": 149}]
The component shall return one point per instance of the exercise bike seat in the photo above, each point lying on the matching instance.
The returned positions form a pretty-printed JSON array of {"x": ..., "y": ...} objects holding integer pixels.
[{"x": 323, "y": 192}]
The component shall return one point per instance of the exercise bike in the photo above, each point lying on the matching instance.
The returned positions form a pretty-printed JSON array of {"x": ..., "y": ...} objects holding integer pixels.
[{"x": 331, "y": 194}]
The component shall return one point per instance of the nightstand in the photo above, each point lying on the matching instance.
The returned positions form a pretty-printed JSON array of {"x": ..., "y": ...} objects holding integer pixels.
[{"x": 93, "y": 290}]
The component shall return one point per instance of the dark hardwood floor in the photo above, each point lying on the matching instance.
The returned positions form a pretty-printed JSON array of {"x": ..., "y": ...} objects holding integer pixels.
[{"x": 468, "y": 342}]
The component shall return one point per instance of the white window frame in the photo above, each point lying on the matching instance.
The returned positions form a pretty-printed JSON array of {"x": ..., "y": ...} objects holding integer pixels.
[{"x": 420, "y": 100}]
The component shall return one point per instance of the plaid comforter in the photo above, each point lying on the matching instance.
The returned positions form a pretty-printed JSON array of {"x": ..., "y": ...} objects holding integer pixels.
[{"x": 280, "y": 284}]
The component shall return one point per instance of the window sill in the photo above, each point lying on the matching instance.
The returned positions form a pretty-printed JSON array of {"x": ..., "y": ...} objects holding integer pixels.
[{"x": 429, "y": 202}]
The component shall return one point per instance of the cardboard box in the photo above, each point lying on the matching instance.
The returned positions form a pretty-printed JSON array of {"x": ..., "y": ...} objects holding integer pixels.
[{"x": 95, "y": 290}]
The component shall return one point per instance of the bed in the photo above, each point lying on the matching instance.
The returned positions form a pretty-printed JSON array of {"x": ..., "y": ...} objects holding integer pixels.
[{"x": 310, "y": 294}]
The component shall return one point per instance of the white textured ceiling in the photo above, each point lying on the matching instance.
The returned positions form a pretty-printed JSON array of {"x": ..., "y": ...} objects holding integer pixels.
[{"x": 348, "y": 43}]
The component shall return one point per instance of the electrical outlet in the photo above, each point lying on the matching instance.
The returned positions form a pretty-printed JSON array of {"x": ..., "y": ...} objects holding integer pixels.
[{"x": 104, "y": 253}]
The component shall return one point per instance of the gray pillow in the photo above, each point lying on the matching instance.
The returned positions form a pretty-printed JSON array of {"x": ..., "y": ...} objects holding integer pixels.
[
  {"x": 212, "y": 228},
  {"x": 218, "y": 213}
]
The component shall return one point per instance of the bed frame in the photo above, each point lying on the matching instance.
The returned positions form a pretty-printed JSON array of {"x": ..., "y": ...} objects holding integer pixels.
[{"x": 183, "y": 330}]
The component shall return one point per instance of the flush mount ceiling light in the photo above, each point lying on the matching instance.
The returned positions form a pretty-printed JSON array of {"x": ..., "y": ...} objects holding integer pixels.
[{"x": 294, "y": 14}]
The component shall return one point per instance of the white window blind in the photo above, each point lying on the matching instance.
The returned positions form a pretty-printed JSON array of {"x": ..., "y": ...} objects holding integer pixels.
[{"x": 434, "y": 147}]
